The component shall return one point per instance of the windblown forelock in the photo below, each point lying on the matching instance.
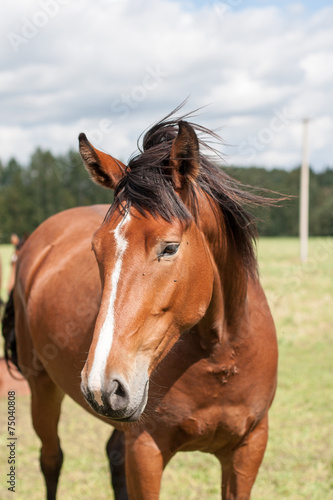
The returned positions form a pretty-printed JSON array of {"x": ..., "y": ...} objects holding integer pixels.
[{"x": 147, "y": 184}]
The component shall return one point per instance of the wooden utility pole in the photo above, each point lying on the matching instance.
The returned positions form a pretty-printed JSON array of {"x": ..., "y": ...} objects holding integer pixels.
[{"x": 304, "y": 194}]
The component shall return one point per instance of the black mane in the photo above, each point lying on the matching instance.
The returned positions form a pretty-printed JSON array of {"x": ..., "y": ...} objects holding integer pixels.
[{"x": 147, "y": 186}]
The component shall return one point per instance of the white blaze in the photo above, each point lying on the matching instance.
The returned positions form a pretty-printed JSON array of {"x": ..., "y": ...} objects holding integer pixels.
[{"x": 105, "y": 337}]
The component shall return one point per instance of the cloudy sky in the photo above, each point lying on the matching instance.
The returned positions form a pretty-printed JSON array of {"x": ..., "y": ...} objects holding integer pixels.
[{"x": 111, "y": 68}]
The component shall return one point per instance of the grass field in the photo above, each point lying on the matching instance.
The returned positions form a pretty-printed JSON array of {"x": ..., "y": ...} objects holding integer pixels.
[
  {"x": 298, "y": 464},
  {"x": 6, "y": 252}
]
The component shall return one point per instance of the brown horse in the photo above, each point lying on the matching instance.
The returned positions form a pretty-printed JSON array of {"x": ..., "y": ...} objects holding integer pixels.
[{"x": 172, "y": 341}]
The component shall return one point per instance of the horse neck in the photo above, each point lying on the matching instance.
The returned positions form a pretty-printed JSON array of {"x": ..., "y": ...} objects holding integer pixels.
[{"x": 227, "y": 308}]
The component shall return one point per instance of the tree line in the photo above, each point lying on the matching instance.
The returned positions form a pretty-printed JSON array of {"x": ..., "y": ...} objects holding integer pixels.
[{"x": 48, "y": 184}]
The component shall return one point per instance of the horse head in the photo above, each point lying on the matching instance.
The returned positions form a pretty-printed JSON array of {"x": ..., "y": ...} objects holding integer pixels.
[{"x": 156, "y": 269}]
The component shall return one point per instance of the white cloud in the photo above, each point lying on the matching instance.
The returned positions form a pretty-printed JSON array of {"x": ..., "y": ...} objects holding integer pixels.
[
  {"x": 112, "y": 68},
  {"x": 318, "y": 68}
]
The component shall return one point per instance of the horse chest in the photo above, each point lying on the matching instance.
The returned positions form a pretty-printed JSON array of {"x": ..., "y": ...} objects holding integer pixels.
[
  {"x": 206, "y": 409},
  {"x": 212, "y": 428}
]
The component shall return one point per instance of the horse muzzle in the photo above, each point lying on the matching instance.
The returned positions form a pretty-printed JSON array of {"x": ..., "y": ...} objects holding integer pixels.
[{"x": 116, "y": 399}]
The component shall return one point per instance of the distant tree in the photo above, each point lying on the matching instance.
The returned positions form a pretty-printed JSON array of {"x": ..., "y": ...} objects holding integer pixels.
[{"x": 49, "y": 184}]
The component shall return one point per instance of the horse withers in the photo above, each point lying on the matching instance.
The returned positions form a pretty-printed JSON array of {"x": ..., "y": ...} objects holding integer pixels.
[{"x": 182, "y": 351}]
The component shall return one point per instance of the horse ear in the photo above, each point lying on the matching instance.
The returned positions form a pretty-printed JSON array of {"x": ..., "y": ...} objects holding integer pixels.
[
  {"x": 184, "y": 157},
  {"x": 103, "y": 169}
]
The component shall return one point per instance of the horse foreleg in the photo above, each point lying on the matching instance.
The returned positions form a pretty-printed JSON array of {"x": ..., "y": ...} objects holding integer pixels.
[
  {"x": 115, "y": 450},
  {"x": 46, "y": 400},
  {"x": 240, "y": 468},
  {"x": 144, "y": 467}
]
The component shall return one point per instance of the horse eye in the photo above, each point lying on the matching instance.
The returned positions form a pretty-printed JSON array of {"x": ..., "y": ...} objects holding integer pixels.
[{"x": 171, "y": 249}]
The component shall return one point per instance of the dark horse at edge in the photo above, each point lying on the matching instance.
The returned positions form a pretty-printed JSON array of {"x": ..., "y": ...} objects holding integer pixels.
[{"x": 168, "y": 337}]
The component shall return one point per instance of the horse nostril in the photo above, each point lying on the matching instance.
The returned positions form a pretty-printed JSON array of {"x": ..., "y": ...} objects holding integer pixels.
[
  {"x": 120, "y": 391},
  {"x": 117, "y": 395}
]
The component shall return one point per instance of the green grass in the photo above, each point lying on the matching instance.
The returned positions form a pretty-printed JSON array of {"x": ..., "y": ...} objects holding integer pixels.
[
  {"x": 6, "y": 252},
  {"x": 298, "y": 464}
]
